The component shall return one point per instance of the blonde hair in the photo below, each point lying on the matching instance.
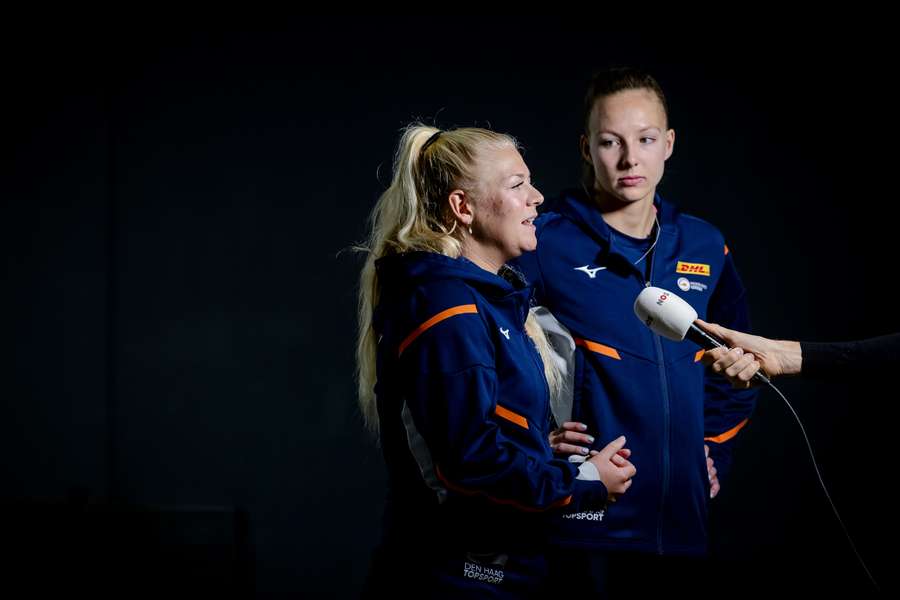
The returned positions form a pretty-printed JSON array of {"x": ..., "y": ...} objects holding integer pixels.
[{"x": 413, "y": 214}]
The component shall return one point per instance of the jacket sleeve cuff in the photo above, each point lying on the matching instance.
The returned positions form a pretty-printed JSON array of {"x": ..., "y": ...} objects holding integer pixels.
[{"x": 588, "y": 472}]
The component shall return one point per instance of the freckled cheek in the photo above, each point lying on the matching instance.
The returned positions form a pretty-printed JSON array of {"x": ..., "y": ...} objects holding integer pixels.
[
  {"x": 498, "y": 208},
  {"x": 505, "y": 215}
]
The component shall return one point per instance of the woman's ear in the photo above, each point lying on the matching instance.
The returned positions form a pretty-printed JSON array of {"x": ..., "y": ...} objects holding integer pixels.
[
  {"x": 584, "y": 148},
  {"x": 461, "y": 207},
  {"x": 670, "y": 143}
]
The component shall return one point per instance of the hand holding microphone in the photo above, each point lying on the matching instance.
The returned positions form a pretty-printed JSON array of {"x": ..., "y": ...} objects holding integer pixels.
[
  {"x": 673, "y": 318},
  {"x": 774, "y": 357}
]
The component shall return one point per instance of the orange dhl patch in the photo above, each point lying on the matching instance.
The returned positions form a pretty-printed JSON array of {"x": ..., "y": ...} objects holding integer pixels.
[{"x": 692, "y": 268}]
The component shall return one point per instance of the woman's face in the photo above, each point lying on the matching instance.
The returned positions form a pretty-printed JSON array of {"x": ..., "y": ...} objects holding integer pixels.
[
  {"x": 628, "y": 144},
  {"x": 504, "y": 205}
]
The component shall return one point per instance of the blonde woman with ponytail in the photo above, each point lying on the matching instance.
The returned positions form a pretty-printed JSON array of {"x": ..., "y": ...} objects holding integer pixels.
[{"x": 454, "y": 376}]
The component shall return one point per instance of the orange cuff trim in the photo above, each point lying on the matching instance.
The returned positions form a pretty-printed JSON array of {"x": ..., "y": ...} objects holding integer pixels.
[
  {"x": 728, "y": 434},
  {"x": 511, "y": 416},
  {"x": 598, "y": 348},
  {"x": 461, "y": 490},
  {"x": 445, "y": 314},
  {"x": 699, "y": 356}
]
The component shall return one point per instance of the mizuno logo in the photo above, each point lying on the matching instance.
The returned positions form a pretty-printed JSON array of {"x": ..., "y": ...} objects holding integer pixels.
[
  {"x": 505, "y": 332},
  {"x": 590, "y": 272}
]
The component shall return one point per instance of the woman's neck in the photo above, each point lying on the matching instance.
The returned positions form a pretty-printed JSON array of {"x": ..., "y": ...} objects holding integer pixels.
[{"x": 631, "y": 218}]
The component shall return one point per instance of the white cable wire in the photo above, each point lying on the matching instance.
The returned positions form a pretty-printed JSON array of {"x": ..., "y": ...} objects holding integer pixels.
[{"x": 825, "y": 489}]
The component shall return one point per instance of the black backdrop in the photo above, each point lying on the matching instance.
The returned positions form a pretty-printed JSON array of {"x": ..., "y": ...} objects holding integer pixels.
[{"x": 178, "y": 399}]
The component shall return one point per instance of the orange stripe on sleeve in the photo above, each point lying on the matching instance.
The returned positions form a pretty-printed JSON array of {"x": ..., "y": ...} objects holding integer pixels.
[
  {"x": 724, "y": 437},
  {"x": 511, "y": 416},
  {"x": 699, "y": 355},
  {"x": 598, "y": 348},
  {"x": 444, "y": 314}
]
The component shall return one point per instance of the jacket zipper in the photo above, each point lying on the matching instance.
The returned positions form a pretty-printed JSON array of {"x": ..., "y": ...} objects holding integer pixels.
[{"x": 664, "y": 381}]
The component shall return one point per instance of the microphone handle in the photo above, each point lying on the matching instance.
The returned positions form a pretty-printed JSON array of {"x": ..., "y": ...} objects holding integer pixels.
[{"x": 708, "y": 341}]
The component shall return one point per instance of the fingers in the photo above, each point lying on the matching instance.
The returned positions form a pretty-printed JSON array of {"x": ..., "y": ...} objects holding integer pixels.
[
  {"x": 713, "y": 474},
  {"x": 704, "y": 325},
  {"x": 569, "y": 449},
  {"x": 613, "y": 447},
  {"x": 726, "y": 359},
  {"x": 733, "y": 339},
  {"x": 711, "y": 356},
  {"x": 618, "y": 460},
  {"x": 568, "y": 439},
  {"x": 574, "y": 426},
  {"x": 745, "y": 377},
  {"x": 616, "y": 471},
  {"x": 620, "y": 486},
  {"x": 571, "y": 437},
  {"x": 623, "y": 467},
  {"x": 735, "y": 364},
  {"x": 743, "y": 363},
  {"x": 717, "y": 330},
  {"x": 569, "y": 426},
  {"x": 714, "y": 488},
  {"x": 619, "y": 475}
]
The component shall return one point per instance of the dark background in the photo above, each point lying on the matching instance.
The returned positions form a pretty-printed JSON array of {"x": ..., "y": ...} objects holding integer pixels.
[{"x": 179, "y": 308}]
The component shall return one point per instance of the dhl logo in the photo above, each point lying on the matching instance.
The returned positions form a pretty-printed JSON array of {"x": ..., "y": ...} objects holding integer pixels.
[{"x": 692, "y": 268}]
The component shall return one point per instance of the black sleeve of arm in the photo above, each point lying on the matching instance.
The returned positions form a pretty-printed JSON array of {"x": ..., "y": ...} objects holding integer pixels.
[{"x": 830, "y": 360}]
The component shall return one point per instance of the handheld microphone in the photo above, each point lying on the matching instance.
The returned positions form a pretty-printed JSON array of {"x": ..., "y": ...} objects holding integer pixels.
[{"x": 673, "y": 318}]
